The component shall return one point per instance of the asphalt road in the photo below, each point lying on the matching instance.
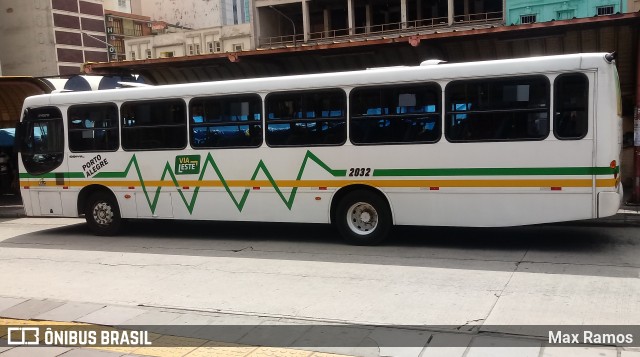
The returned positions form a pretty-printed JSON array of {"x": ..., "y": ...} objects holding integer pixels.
[{"x": 540, "y": 275}]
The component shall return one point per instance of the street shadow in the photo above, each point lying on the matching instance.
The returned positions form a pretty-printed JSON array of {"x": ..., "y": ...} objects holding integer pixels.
[{"x": 501, "y": 249}]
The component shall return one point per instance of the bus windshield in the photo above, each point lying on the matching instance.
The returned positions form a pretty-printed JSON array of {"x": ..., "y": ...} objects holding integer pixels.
[{"x": 41, "y": 139}]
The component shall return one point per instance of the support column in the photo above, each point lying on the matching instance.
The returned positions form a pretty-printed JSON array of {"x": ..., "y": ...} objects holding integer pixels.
[
  {"x": 418, "y": 10},
  {"x": 635, "y": 198},
  {"x": 305, "y": 21},
  {"x": 403, "y": 13},
  {"x": 367, "y": 10},
  {"x": 326, "y": 15},
  {"x": 450, "y": 11},
  {"x": 466, "y": 10},
  {"x": 350, "y": 17}
]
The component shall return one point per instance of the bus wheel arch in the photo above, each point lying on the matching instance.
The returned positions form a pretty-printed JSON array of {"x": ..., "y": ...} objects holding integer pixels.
[
  {"x": 362, "y": 214},
  {"x": 101, "y": 210}
]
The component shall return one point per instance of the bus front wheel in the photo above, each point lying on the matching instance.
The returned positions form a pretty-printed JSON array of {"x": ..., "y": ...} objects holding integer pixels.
[
  {"x": 363, "y": 218},
  {"x": 102, "y": 214}
]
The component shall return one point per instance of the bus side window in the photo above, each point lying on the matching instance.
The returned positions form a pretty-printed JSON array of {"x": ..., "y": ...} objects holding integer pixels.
[{"x": 570, "y": 112}]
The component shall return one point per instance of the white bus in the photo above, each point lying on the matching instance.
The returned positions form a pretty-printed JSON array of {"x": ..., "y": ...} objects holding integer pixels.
[{"x": 482, "y": 144}]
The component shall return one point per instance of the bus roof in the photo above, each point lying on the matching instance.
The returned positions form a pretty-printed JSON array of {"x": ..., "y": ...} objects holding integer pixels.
[{"x": 408, "y": 74}]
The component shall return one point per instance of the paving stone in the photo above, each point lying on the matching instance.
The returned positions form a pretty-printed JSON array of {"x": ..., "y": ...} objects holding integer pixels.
[
  {"x": 84, "y": 352},
  {"x": 447, "y": 345},
  {"x": 35, "y": 352},
  {"x": 399, "y": 342},
  {"x": 112, "y": 315},
  {"x": 631, "y": 353},
  {"x": 69, "y": 312},
  {"x": 578, "y": 352},
  {"x": 153, "y": 317},
  {"x": 7, "y": 302},
  {"x": 30, "y": 308}
]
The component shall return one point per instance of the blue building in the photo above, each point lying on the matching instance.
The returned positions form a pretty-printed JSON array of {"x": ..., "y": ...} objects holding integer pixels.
[{"x": 530, "y": 11}]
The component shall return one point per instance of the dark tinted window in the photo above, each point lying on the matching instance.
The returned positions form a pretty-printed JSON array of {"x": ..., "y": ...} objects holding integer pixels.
[
  {"x": 396, "y": 114},
  {"x": 230, "y": 121},
  {"x": 41, "y": 139},
  {"x": 306, "y": 118},
  {"x": 571, "y": 99},
  {"x": 497, "y": 109},
  {"x": 93, "y": 127},
  {"x": 150, "y": 125}
]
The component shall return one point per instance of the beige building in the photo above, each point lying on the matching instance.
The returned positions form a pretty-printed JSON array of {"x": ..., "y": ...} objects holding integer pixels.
[
  {"x": 633, "y": 6},
  {"x": 51, "y": 37},
  {"x": 190, "y": 43}
]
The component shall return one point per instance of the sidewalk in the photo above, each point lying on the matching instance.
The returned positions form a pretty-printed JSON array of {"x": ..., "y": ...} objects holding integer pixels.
[{"x": 178, "y": 332}]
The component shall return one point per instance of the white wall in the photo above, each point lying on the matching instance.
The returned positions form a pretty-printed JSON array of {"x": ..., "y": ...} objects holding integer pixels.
[
  {"x": 195, "y": 14},
  {"x": 114, "y": 5},
  {"x": 27, "y": 40}
]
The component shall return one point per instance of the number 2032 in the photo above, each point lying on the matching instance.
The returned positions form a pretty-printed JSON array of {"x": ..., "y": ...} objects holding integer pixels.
[{"x": 359, "y": 171}]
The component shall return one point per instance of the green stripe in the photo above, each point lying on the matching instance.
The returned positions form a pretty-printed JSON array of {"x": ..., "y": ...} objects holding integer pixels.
[
  {"x": 498, "y": 171},
  {"x": 52, "y": 175}
]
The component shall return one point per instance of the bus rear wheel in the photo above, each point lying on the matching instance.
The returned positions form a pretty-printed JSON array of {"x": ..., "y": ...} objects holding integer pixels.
[
  {"x": 363, "y": 218},
  {"x": 103, "y": 214}
]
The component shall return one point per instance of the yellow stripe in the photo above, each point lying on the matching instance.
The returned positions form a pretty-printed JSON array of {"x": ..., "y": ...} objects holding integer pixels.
[{"x": 341, "y": 183}]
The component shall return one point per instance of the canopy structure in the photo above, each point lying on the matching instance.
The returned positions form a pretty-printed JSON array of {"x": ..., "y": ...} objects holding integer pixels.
[{"x": 13, "y": 91}]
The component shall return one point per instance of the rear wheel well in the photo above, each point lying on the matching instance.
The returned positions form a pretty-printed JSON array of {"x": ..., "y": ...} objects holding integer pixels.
[
  {"x": 86, "y": 192},
  {"x": 342, "y": 192}
]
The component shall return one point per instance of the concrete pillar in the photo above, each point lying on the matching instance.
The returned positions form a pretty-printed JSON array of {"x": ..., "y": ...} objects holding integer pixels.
[
  {"x": 450, "y": 11},
  {"x": 367, "y": 10},
  {"x": 466, "y": 10},
  {"x": 351, "y": 17},
  {"x": 305, "y": 20},
  {"x": 418, "y": 10},
  {"x": 403, "y": 13},
  {"x": 326, "y": 15}
]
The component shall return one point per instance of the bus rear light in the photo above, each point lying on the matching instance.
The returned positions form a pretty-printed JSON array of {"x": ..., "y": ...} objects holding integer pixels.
[
  {"x": 26, "y": 187},
  {"x": 613, "y": 164}
]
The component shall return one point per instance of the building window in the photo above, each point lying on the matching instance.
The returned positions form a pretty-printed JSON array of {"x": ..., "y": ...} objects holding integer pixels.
[
  {"x": 137, "y": 29},
  {"x": 237, "y": 47},
  {"x": 117, "y": 26},
  {"x": 122, "y": 3},
  {"x": 149, "y": 125},
  {"x": 229, "y": 121},
  {"x": 148, "y": 53},
  {"x": 132, "y": 54},
  {"x": 197, "y": 48},
  {"x": 209, "y": 47},
  {"x": 166, "y": 54},
  {"x": 605, "y": 10},
  {"x": 217, "y": 46},
  {"x": 190, "y": 49},
  {"x": 93, "y": 128},
  {"x": 528, "y": 19},
  {"x": 306, "y": 118},
  {"x": 566, "y": 14},
  {"x": 118, "y": 44}
]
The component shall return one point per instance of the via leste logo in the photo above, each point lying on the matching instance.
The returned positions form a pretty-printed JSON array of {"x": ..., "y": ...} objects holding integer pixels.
[{"x": 187, "y": 164}]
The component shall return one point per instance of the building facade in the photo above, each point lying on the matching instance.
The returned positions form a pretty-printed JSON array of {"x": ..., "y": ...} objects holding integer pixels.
[
  {"x": 217, "y": 39},
  {"x": 51, "y": 37},
  {"x": 121, "y": 26},
  {"x": 285, "y": 22},
  {"x": 527, "y": 11},
  {"x": 190, "y": 14}
]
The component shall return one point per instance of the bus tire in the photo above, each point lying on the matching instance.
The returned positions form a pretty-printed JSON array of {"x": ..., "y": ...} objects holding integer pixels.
[
  {"x": 363, "y": 218},
  {"x": 103, "y": 214}
]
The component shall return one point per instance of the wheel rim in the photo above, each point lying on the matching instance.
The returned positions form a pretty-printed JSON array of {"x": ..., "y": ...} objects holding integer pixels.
[
  {"x": 362, "y": 218},
  {"x": 102, "y": 213}
]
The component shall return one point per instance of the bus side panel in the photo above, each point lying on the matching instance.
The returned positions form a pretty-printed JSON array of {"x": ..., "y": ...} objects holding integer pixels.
[{"x": 489, "y": 209}]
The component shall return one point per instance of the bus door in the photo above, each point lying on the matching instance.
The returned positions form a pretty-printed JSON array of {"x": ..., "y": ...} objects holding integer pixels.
[
  {"x": 41, "y": 147},
  {"x": 574, "y": 124}
]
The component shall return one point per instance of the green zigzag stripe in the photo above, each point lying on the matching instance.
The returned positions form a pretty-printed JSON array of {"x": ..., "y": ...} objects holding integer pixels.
[{"x": 209, "y": 160}]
